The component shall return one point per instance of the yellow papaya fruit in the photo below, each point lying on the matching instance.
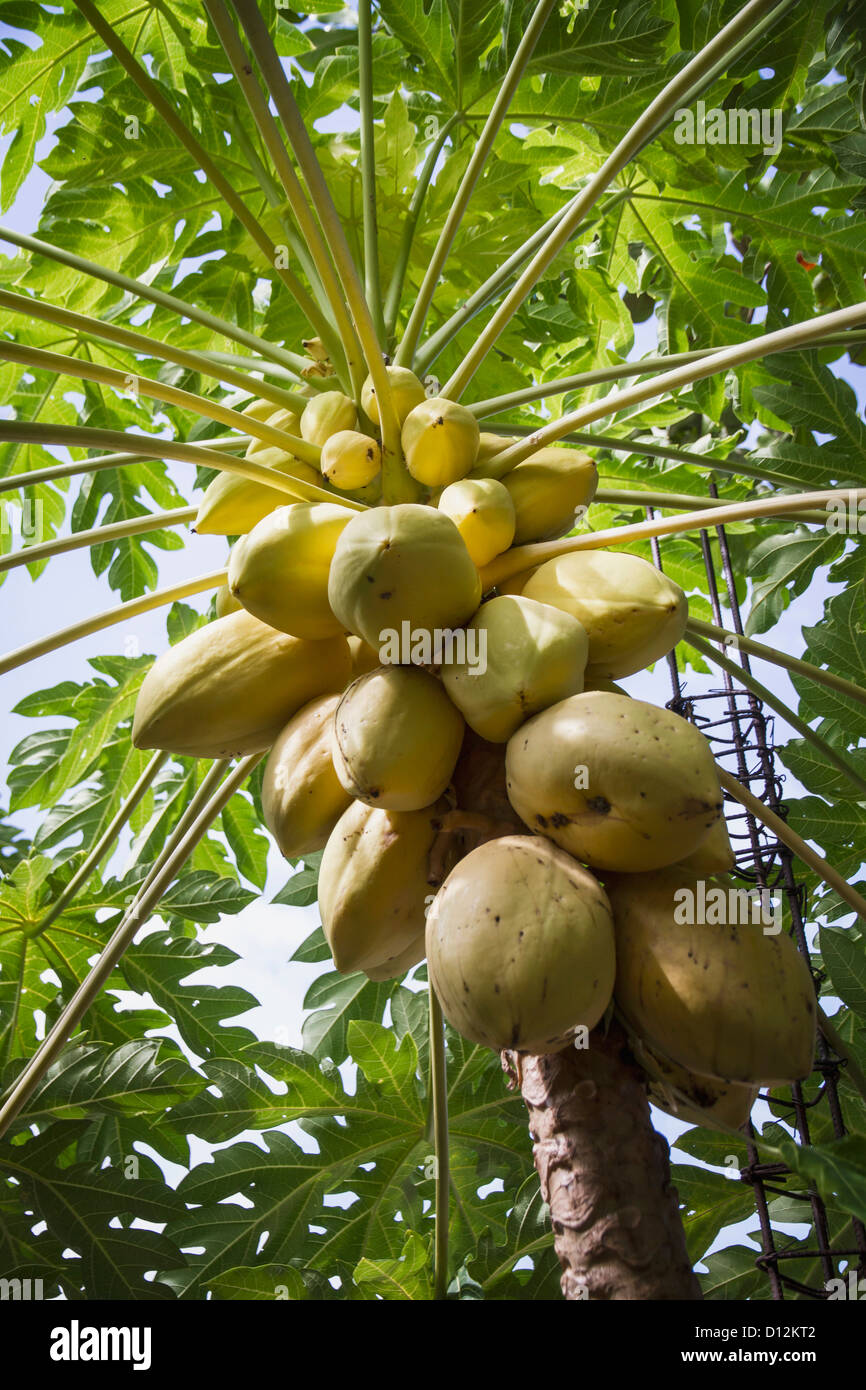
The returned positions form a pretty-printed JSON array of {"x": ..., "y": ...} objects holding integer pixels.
[
  {"x": 231, "y": 506},
  {"x": 261, "y": 410},
  {"x": 724, "y": 998},
  {"x": 715, "y": 853},
  {"x": 396, "y": 738},
  {"x": 229, "y": 687},
  {"x": 374, "y": 883},
  {"x": 398, "y": 965},
  {"x": 402, "y": 564},
  {"x": 701, "y": 1100},
  {"x": 483, "y": 512},
  {"x": 633, "y": 614},
  {"x": 520, "y": 946},
  {"x": 225, "y": 601},
  {"x": 270, "y": 455},
  {"x": 521, "y": 656},
  {"x": 489, "y": 445},
  {"x": 351, "y": 460},
  {"x": 619, "y": 783},
  {"x": 548, "y": 490},
  {"x": 302, "y": 798},
  {"x": 327, "y": 413},
  {"x": 440, "y": 441},
  {"x": 406, "y": 392},
  {"x": 279, "y": 571}
]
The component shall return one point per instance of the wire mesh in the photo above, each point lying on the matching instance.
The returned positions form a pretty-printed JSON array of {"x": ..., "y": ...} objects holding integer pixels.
[{"x": 741, "y": 734}]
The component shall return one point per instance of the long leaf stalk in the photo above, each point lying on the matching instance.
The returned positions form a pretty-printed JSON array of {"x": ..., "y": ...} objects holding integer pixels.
[
  {"x": 133, "y": 608},
  {"x": 697, "y": 627},
  {"x": 439, "y": 1090},
  {"x": 85, "y": 325},
  {"x": 733, "y": 464},
  {"x": 660, "y": 109},
  {"x": 174, "y": 856},
  {"x": 61, "y": 363},
  {"x": 272, "y": 369},
  {"x": 406, "y": 351},
  {"x": 784, "y": 339},
  {"x": 98, "y": 535},
  {"x": 203, "y": 160},
  {"x": 407, "y": 235},
  {"x": 619, "y": 371},
  {"x": 524, "y": 557},
  {"x": 142, "y": 446},
  {"x": 780, "y": 828},
  {"x": 106, "y": 842},
  {"x": 829, "y": 754},
  {"x": 396, "y": 484},
  {"x": 675, "y": 501},
  {"x": 489, "y": 290},
  {"x": 34, "y": 476},
  {"x": 293, "y": 361},
  {"x": 348, "y": 343},
  {"x": 368, "y": 165}
]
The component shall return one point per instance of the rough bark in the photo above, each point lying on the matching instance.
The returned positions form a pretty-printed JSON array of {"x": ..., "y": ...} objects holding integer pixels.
[{"x": 604, "y": 1173}]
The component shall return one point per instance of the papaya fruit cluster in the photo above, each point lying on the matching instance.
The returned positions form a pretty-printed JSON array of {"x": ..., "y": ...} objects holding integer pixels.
[{"x": 484, "y": 794}]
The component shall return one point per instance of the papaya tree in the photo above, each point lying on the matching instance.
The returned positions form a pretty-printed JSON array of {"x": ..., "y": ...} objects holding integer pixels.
[{"x": 413, "y": 311}]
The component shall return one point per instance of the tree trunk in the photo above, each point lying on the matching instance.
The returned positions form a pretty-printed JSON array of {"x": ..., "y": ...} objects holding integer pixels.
[{"x": 604, "y": 1173}]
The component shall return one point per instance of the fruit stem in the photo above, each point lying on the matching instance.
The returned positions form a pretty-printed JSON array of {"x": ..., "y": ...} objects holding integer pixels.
[
  {"x": 309, "y": 228},
  {"x": 171, "y": 395},
  {"x": 406, "y": 351},
  {"x": 410, "y": 222},
  {"x": 618, "y": 371},
  {"x": 524, "y": 557},
  {"x": 853, "y": 1070},
  {"x": 178, "y": 848},
  {"x": 397, "y": 486},
  {"x": 827, "y": 751},
  {"x": 799, "y": 335},
  {"x": 102, "y": 846},
  {"x": 179, "y": 307},
  {"x": 368, "y": 165},
  {"x": 136, "y": 526},
  {"x": 152, "y": 347},
  {"x": 131, "y": 609},
  {"x": 203, "y": 161},
  {"x": 439, "y": 1091},
  {"x": 658, "y": 112},
  {"x": 798, "y": 846},
  {"x": 790, "y": 663},
  {"x": 140, "y": 446}
]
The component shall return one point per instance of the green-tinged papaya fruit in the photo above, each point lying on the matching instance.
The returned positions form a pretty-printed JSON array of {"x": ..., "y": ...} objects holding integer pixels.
[
  {"x": 397, "y": 966},
  {"x": 520, "y": 946},
  {"x": 724, "y": 998},
  {"x": 302, "y": 798},
  {"x": 402, "y": 564},
  {"x": 633, "y": 614},
  {"x": 396, "y": 738},
  {"x": 228, "y": 688},
  {"x": 620, "y": 784},
  {"x": 548, "y": 490},
  {"x": 279, "y": 572},
  {"x": 351, "y": 460},
  {"x": 364, "y": 658},
  {"x": 521, "y": 656},
  {"x": 406, "y": 392},
  {"x": 701, "y": 1100},
  {"x": 714, "y": 855},
  {"x": 374, "y": 883},
  {"x": 483, "y": 512},
  {"x": 440, "y": 441},
  {"x": 225, "y": 602},
  {"x": 327, "y": 413}
]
